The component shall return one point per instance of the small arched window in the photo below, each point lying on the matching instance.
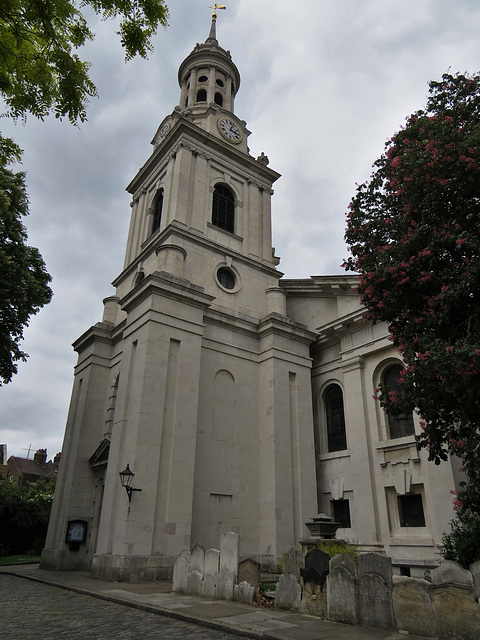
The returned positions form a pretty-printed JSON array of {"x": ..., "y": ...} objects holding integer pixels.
[
  {"x": 401, "y": 425},
  {"x": 223, "y": 209},
  {"x": 202, "y": 95},
  {"x": 219, "y": 99},
  {"x": 157, "y": 211},
  {"x": 336, "y": 434}
]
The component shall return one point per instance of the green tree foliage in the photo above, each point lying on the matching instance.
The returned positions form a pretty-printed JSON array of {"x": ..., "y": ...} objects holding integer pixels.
[
  {"x": 23, "y": 276},
  {"x": 40, "y": 70},
  {"x": 24, "y": 513},
  {"x": 41, "y": 73},
  {"x": 414, "y": 234}
]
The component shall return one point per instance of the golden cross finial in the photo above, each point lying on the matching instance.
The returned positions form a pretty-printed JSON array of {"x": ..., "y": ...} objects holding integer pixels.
[{"x": 215, "y": 7}]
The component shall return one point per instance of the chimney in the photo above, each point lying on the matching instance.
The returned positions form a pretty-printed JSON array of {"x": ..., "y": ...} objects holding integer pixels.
[
  {"x": 56, "y": 460},
  {"x": 41, "y": 456}
]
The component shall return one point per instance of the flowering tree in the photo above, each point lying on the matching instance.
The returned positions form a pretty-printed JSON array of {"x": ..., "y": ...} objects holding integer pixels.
[{"x": 414, "y": 235}]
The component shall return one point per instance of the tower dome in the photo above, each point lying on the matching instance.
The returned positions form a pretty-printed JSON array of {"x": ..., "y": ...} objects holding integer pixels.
[{"x": 208, "y": 75}]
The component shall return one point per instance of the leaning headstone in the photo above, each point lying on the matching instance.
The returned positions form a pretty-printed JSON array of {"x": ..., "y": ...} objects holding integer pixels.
[
  {"x": 453, "y": 573},
  {"x": 342, "y": 589},
  {"x": 194, "y": 582},
  {"x": 314, "y": 600},
  {"x": 229, "y": 552},
  {"x": 457, "y": 614},
  {"x": 180, "y": 573},
  {"x": 244, "y": 592},
  {"x": 374, "y": 591},
  {"x": 212, "y": 558},
  {"x": 317, "y": 566},
  {"x": 208, "y": 587},
  {"x": 288, "y": 593},
  {"x": 293, "y": 562},
  {"x": 475, "y": 571},
  {"x": 225, "y": 584},
  {"x": 197, "y": 559},
  {"x": 249, "y": 571},
  {"x": 412, "y": 606}
]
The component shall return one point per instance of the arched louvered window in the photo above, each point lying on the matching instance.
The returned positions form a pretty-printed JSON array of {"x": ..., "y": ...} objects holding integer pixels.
[
  {"x": 219, "y": 99},
  {"x": 401, "y": 425},
  {"x": 223, "y": 210},
  {"x": 202, "y": 95},
  {"x": 157, "y": 211},
  {"x": 336, "y": 434}
]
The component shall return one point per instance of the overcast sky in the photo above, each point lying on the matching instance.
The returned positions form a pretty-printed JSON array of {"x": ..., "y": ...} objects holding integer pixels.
[{"x": 324, "y": 84}]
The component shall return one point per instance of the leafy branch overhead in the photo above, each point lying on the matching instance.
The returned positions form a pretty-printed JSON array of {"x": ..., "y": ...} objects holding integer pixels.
[
  {"x": 40, "y": 70},
  {"x": 414, "y": 234}
]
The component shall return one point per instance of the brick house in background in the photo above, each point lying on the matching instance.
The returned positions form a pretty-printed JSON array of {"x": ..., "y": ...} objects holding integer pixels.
[{"x": 20, "y": 470}]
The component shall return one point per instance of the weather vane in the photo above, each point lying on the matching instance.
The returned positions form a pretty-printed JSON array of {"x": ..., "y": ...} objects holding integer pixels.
[{"x": 215, "y": 7}]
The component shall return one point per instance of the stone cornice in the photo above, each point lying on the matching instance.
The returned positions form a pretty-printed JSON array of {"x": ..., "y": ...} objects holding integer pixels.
[{"x": 321, "y": 286}]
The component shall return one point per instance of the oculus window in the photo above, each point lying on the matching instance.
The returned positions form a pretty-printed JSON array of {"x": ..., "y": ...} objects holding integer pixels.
[
  {"x": 335, "y": 414},
  {"x": 223, "y": 208},
  {"x": 226, "y": 278},
  {"x": 402, "y": 424},
  {"x": 157, "y": 211}
]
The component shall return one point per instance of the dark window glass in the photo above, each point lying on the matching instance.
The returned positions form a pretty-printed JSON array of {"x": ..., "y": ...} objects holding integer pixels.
[
  {"x": 337, "y": 438},
  {"x": 226, "y": 277},
  {"x": 219, "y": 99},
  {"x": 202, "y": 79},
  {"x": 341, "y": 513},
  {"x": 219, "y": 82},
  {"x": 410, "y": 510},
  {"x": 157, "y": 211},
  {"x": 223, "y": 210},
  {"x": 202, "y": 96},
  {"x": 401, "y": 425}
]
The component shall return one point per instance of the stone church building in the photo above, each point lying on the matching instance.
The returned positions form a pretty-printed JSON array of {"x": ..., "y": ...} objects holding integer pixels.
[{"x": 241, "y": 400}]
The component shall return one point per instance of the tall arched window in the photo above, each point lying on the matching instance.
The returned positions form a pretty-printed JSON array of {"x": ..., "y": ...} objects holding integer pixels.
[
  {"x": 401, "y": 425},
  {"x": 223, "y": 209},
  {"x": 157, "y": 211},
  {"x": 336, "y": 435},
  {"x": 202, "y": 95},
  {"x": 218, "y": 99}
]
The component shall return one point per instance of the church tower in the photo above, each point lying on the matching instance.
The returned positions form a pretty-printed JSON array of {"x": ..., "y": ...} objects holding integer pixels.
[{"x": 195, "y": 377}]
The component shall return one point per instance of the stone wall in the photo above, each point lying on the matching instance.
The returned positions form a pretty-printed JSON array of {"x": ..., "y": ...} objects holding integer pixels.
[{"x": 364, "y": 592}]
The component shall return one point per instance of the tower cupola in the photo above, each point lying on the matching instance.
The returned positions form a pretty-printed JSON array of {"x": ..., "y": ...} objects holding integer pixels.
[{"x": 208, "y": 75}]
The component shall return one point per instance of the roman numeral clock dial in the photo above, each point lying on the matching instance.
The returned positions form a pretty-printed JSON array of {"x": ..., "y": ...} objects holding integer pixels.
[{"x": 229, "y": 130}]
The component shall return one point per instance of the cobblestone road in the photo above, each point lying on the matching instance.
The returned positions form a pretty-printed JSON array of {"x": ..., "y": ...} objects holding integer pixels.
[{"x": 35, "y": 611}]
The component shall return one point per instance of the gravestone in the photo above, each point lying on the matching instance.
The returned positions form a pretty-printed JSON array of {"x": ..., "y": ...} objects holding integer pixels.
[
  {"x": 244, "y": 592},
  {"x": 212, "y": 562},
  {"x": 412, "y": 606},
  {"x": 194, "y": 582},
  {"x": 317, "y": 567},
  {"x": 457, "y": 614},
  {"x": 451, "y": 572},
  {"x": 180, "y": 573},
  {"x": 208, "y": 588},
  {"x": 229, "y": 553},
  {"x": 288, "y": 593},
  {"x": 197, "y": 559},
  {"x": 293, "y": 562},
  {"x": 375, "y": 608},
  {"x": 342, "y": 589},
  {"x": 249, "y": 571},
  {"x": 225, "y": 584}
]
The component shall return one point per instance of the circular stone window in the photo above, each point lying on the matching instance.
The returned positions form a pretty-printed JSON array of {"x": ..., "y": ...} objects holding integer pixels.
[
  {"x": 202, "y": 79},
  {"x": 226, "y": 278},
  {"x": 220, "y": 82}
]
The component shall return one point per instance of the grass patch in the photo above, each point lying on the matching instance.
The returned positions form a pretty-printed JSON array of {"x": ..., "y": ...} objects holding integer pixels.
[{"x": 7, "y": 560}]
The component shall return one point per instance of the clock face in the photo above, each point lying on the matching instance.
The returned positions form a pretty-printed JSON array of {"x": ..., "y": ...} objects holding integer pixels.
[
  {"x": 161, "y": 134},
  {"x": 229, "y": 130}
]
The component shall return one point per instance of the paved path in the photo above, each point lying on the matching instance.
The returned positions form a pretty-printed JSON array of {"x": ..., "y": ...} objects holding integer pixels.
[
  {"x": 36, "y": 611},
  {"x": 33, "y": 607}
]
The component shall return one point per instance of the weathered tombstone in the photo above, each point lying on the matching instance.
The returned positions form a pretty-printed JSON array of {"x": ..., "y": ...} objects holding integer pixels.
[
  {"x": 194, "y": 582},
  {"x": 475, "y": 571},
  {"x": 457, "y": 614},
  {"x": 317, "y": 566},
  {"x": 453, "y": 573},
  {"x": 180, "y": 573},
  {"x": 212, "y": 562},
  {"x": 314, "y": 600},
  {"x": 225, "y": 584},
  {"x": 374, "y": 591},
  {"x": 229, "y": 553},
  {"x": 208, "y": 588},
  {"x": 249, "y": 571},
  {"x": 197, "y": 559},
  {"x": 244, "y": 592},
  {"x": 293, "y": 562},
  {"x": 412, "y": 606},
  {"x": 342, "y": 589},
  {"x": 288, "y": 593}
]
